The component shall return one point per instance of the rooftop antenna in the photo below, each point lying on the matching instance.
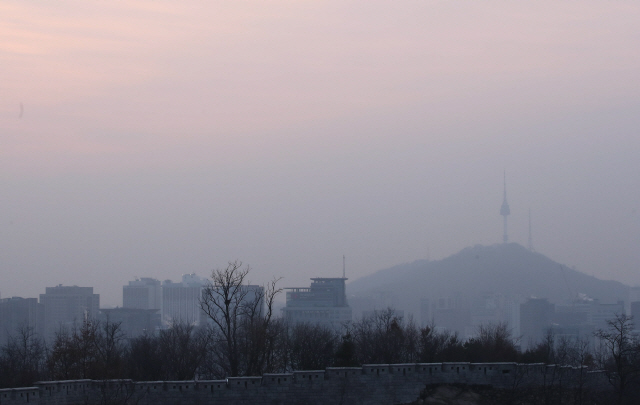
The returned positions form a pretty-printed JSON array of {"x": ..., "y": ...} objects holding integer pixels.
[
  {"x": 530, "y": 237},
  {"x": 504, "y": 210},
  {"x": 344, "y": 273}
]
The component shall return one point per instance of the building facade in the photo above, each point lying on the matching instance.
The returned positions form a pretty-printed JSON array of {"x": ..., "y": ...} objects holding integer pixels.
[
  {"x": 324, "y": 302},
  {"x": 536, "y": 317},
  {"x": 17, "y": 313},
  {"x": 181, "y": 301},
  {"x": 133, "y": 322},
  {"x": 66, "y": 306},
  {"x": 143, "y": 293}
]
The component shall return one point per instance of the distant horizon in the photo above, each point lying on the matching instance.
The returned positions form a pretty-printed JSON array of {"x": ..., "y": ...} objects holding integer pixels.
[
  {"x": 157, "y": 137},
  {"x": 281, "y": 284}
]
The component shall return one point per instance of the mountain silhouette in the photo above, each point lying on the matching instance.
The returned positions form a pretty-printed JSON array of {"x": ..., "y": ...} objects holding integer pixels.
[{"x": 508, "y": 269}]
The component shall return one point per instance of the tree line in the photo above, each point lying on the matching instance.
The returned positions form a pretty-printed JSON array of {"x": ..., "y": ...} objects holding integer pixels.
[{"x": 244, "y": 338}]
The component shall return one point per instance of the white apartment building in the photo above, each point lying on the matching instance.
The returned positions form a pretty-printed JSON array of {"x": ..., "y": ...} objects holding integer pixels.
[{"x": 181, "y": 300}]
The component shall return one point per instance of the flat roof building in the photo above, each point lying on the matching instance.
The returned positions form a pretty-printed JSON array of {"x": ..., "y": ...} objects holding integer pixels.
[
  {"x": 536, "y": 315},
  {"x": 143, "y": 293},
  {"x": 17, "y": 313},
  {"x": 181, "y": 301},
  {"x": 324, "y": 302},
  {"x": 65, "y": 306}
]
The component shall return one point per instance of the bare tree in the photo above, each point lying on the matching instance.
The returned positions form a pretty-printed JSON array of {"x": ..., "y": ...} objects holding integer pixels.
[
  {"x": 412, "y": 339},
  {"x": 94, "y": 350},
  {"x": 542, "y": 351},
  {"x": 224, "y": 302},
  {"x": 579, "y": 355},
  {"x": 258, "y": 337},
  {"x": 22, "y": 359},
  {"x": 346, "y": 352},
  {"x": 73, "y": 353},
  {"x": 110, "y": 349},
  {"x": 311, "y": 346},
  {"x": 183, "y": 348},
  {"x": 622, "y": 364},
  {"x": 434, "y": 346},
  {"x": 144, "y": 358},
  {"x": 241, "y": 316},
  {"x": 61, "y": 356},
  {"x": 494, "y": 342},
  {"x": 382, "y": 338}
]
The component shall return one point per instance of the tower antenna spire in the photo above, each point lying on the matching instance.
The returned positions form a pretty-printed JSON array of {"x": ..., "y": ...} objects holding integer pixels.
[
  {"x": 344, "y": 267},
  {"x": 504, "y": 210}
]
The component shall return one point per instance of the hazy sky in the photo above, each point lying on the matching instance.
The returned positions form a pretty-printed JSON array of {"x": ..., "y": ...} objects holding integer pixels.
[{"x": 156, "y": 138}]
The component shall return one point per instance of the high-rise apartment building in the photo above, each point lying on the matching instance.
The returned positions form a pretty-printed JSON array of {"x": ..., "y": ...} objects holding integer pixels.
[
  {"x": 143, "y": 293},
  {"x": 588, "y": 311},
  {"x": 17, "y": 313},
  {"x": 536, "y": 316},
  {"x": 65, "y": 306},
  {"x": 181, "y": 301}
]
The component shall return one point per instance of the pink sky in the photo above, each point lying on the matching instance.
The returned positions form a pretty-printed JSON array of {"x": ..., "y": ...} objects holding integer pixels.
[{"x": 162, "y": 137}]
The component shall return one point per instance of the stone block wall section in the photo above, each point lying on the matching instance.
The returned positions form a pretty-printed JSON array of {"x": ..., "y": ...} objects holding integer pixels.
[{"x": 370, "y": 384}]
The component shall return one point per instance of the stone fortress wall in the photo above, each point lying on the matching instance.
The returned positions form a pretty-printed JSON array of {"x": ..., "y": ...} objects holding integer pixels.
[{"x": 382, "y": 384}]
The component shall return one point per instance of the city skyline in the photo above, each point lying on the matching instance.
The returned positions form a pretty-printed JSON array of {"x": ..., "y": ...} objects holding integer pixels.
[
  {"x": 158, "y": 138},
  {"x": 145, "y": 292}
]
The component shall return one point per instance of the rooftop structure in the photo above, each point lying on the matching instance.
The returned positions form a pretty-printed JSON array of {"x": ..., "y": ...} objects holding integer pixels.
[{"x": 324, "y": 302}]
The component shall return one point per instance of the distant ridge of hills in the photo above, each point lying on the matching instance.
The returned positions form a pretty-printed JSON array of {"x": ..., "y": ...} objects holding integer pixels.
[{"x": 508, "y": 268}]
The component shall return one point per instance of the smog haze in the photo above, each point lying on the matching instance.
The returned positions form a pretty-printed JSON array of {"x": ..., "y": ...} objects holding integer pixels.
[{"x": 157, "y": 138}]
